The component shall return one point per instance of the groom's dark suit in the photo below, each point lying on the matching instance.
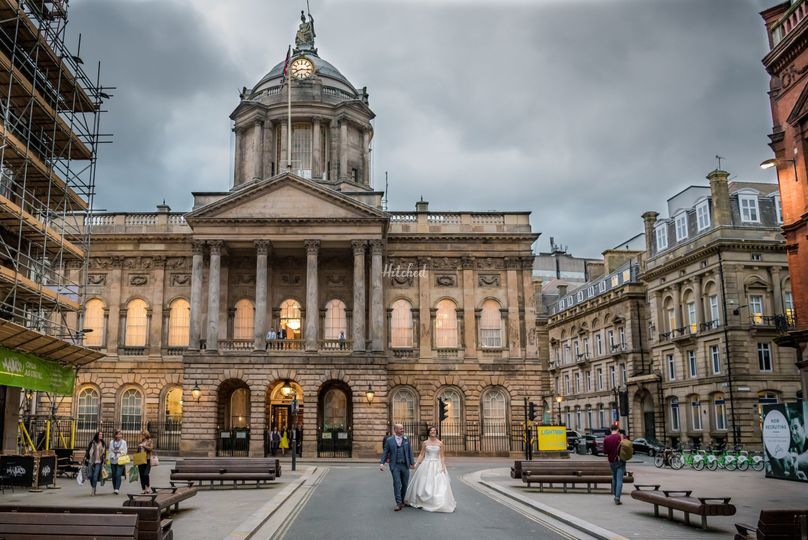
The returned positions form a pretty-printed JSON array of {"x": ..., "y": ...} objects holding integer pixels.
[{"x": 400, "y": 456}]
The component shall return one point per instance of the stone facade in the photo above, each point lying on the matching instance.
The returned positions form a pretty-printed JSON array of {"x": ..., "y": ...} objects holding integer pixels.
[{"x": 383, "y": 312}]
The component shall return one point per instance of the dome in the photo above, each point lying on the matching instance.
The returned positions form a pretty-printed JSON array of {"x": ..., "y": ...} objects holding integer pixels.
[{"x": 324, "y": 69}]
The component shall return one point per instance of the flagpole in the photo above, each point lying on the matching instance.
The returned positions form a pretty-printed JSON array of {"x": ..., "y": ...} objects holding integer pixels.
[{"x": 289, "y": 124}]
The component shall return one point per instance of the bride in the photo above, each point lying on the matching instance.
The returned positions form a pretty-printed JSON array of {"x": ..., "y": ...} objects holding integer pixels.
[{"x": 430, "y": 488}]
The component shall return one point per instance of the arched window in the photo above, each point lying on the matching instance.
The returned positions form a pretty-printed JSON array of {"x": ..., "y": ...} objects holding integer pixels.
[
  {"x": 719, "y": 413},
  {"x": 87, "y": 409},
  {"x": 403, "y": 407},
  {"x": 172, "y": 407},
  {"x": 239, "y": 405},
  {"x": 290, "y": 318},
  {"x": 494, "y": 404},
  {"x": 94, "y": 323},
  {"x": 243, "y": 322},
  {"x": 137, "y": 323},
  {"x": 491, "y": 325},
  {"x": 335, "y": 321},
  {"x": 690, "y": 308},
  {"x": 446, "y": 325},
  {"x": 454, "y": 408},
  {"x": 179, "y": 323},
  {"x": 132, "y": 410},
  {"x": 401, "y": 325},
  {"x": 335, "y": 410}
]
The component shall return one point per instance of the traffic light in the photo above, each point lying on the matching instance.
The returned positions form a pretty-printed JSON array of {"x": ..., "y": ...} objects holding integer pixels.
[
  {"x": 442, "y": 409},
  {"x": 531, "y": 411},
  {"x": 623, "y": 401}
]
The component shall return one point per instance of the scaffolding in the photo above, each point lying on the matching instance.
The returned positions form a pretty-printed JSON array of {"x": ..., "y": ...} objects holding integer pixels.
[{"x": 50, "y": 111}]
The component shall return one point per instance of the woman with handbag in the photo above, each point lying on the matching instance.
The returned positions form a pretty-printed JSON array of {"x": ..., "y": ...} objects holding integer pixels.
[
  {"x": 94, "y": 458},
  {"x": 143, "y": 460},
  {"x": 118, "y": 458}
]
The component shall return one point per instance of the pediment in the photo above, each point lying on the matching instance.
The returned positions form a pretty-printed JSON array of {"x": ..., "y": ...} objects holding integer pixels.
[
  {"x": 286, "y": 197},
  {"x": 800, "y": 110}
]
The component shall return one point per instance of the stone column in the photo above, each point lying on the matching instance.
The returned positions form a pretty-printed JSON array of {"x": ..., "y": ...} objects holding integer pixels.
[
  {"x": 262, "y": 253},
  {"x": 312, "y": 303},
  {"x": 697, "y": 292},
  {"x": 531, "y": 341},
  {"x": 777, "y": 291},
  {"x": 333, "y": 150},
  {"x": 424, "y": 314},
  {"x": 677, "y": 306},
  {"x": 376, "y": 296},
  {"x": 122, "y": 327},
  {"x": 469, "y": 333},
  {"x": 365, "y": 157},
  {"x": 238, "y": 166},
  {"x": 512, "y": 333},
  {"x": 359, "y": 310},
  {"x": 164, "y": 332},
  {"x": 158, "y": 299},
  {"x": 343, "y": 148},
  {"x": 258, "y": 150},
  {"x": 212, "y": 337},
  {"x": 268, "y": 147},
  {"x": 114, "y": 330},
  {"x": 198, "y": 247},
  {"x": 316, "y": 154}
]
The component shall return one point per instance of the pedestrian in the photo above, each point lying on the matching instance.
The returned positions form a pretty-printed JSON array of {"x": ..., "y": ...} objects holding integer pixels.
[
  {"x": 284, "y": 444},
  {"x": 146, "y": 446},
  {"x": 271, "y": 338},
  {"x": 275, "y": 440},
  {"x": 611, "y": 447},
  {"x": 117, "y": 451},
  {"x": 299, "y": 438},
  {"x": 281, "y": 337},
  {"x": 94, "y": 458},
  {"x": 341, "y": 340}
]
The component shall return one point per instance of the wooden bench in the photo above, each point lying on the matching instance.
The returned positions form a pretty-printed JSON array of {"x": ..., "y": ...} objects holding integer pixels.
[
  {"x": 258, "y": 470},
  {"x": 150, "y": 524},
  {"x": 520, "y": 465},
  {"x": 58, "y": 525},
  {"x": 776, "y": 524},
  {"x": 591, "y": 473},
  {"x": 682, "y": 501},
  {"x": 164, "y": 498}
]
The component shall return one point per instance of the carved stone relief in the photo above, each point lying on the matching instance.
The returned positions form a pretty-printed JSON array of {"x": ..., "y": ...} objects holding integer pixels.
[
  {"x": 138, "y": 280},
  {"x": 97, "y": 279},
  {"x": 180, "y": 280},
  {"x": 445, "y": 280},
  {"x": 488, "y": 280}
]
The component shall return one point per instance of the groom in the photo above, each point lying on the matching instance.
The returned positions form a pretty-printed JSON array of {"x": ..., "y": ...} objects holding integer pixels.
[{"x": 397, "y": 449}]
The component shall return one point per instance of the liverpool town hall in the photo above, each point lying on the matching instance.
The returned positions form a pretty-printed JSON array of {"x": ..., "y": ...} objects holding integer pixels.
[{"x": 296, "y": 301}]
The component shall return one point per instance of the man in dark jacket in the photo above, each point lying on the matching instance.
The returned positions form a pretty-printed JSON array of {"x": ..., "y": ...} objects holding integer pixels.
[{"x": 611, "y": 446}]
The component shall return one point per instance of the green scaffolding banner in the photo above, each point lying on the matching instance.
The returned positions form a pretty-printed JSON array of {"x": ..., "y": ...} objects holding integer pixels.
[{"x": 29, "y": 371}]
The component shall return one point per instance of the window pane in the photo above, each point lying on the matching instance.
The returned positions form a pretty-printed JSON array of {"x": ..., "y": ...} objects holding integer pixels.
[
  {"x": 131, "y": 410},
  {"x": 403, "y": 406},
  {"x": 94, "y": 321},
  {"x": 179, "y": 323},
  {"x": 335, "y": 320},
  {"x": 243, "y": 323},
  {"x": 491, "y": 325},
  {"x": 290, "y": 319},
  {"x": 87, "y": 409},
  {"x": 446, "y": 325},
  {"x": 401, "y": 324},
  {"x": 454, "y": 405},
  {"x": 136, "y": 324},
  {"x": 301, "y": 149}
]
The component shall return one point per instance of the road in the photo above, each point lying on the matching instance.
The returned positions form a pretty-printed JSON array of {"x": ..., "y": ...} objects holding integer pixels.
[{"x": 356, "y": 502}]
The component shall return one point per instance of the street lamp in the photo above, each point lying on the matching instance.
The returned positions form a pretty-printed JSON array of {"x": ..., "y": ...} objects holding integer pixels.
[
  {"x": 769, "y": 163},
  {"x": 286, "y": 389},
  {"x": 196, "y": 392},
  {"x": 559, "y": 399},
  {"x": 370, "y": 394}
]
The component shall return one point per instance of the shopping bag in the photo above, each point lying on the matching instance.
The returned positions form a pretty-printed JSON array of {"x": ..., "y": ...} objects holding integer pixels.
[
  {"x": 80, "y": 477},
  {"x": 154, "y": 461},
  {"x": 106, "y": 471},
  {"x": 125, "y": 459},
  {"x": 133, "y": 474},
  {"x": 140, "y": 458}
]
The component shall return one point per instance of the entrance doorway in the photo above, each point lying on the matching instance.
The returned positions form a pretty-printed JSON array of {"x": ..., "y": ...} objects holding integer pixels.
[
  {"x": 334, "y": 420},
  {"x": 280, "y": 416}
]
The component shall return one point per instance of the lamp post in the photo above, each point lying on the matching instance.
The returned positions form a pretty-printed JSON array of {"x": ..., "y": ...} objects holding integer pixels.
[
  {"x": 769, "y": 163},
  {"x": 196, "y": 392},
  {"x": 559, "y": 399}
]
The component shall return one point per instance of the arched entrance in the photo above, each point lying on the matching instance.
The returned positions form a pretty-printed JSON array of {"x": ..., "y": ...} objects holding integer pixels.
[
  {"x": 282, "y": 396},
  {"x": 233, "y": 419},
  {"x": 644, "y": 403},
  {"x": 334, "y": 420}
]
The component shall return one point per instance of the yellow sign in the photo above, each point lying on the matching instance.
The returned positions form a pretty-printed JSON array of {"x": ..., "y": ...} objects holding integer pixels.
[{"x": 552, "y": 438}]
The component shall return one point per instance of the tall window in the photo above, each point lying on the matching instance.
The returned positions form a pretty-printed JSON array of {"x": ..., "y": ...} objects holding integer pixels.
[
  {"x": 179, "y": 323},
  {"x": 671, "y": 316},
  {"x": 454, "y": 406},
  {"x": 681, "y": 226},
  {"x": 87, "y": 409},
  {"x": 621, "y": 332},
  {"x": 172, "y": 408},
  {"x": 720, "y": 412},
  {"x": 401, "y": 325},
  {"x": 244, "y": 321},
  {"x": 764, "y": 351},
  {"x": 403, "y": 404},
  {"x": 715, "y": 359},
  {"x": 662, "y": 236},
  {"x": 749, "y": 208},
  {"x": 589, "y": 418},
  {"x": 612, "y": 376},
  {"x": 94, "y": 321},
  {"x": 674, "y": 414},
  {"x": 695, "y": 410},
  {"x": 713, "y": 301},
  {"x": 756, "y": 308},
  {"x": 577, "y": 382},
  {"x": 588, "y": 380},
  {"x": 778, "y": 208},
  {"x": 290, "y": 318},
  {"x": 586, "y": 346},
  {"x": 578, "y": 419},
  {"x": 137, "y": 323},
  {"x": 691, "y": 317},
  {"x": 335, "y": 320},
  {"x": 577, "y": 349},
  {"x": 789, "y": 305},
  {"x": 610, "y": 339},
  {"x": 491, "y": 325},
  {"x": 132, "y": 410},
  {"x": 623, "y": 374},
  {"x": 335, "y": 410},
  {"x": 301, "y": 149},
  {"x": 599, "y": 344},
  {"x": 703, "y": 215},
  {"x": 567, "y": 387},
  {"x": 671, "y": 367},
  {"x": 599, "y": 378},
  {"x": 446, "y": 325},
  {"x": 691, "y": 364},
  {"x": 494, "y": 404}
]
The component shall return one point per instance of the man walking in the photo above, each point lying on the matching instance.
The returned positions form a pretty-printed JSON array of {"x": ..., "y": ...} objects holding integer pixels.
[
  {"x": 611, "y": 446},
  {"x": 398, "y": 450}
]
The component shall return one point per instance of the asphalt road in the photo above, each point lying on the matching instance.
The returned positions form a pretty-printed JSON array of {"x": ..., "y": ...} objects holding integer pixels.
[{"x": 357, "y": 502}]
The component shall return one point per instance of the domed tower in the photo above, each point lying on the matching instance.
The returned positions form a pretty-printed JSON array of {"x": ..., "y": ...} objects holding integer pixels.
[{"x": 331, "y": 130}]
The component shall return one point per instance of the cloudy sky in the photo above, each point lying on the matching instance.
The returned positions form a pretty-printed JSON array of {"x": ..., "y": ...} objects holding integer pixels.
[{"x": 585, "y": 112}]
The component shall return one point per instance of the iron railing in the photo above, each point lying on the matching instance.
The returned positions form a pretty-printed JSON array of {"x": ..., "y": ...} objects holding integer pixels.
[
  {"x": 488, "y": 437},
  {"x": 233, "y": 442},
  {"x": 165, "y": 435}
]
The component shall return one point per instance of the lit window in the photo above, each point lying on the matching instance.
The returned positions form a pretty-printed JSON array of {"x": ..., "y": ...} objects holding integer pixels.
[
  {"x": 179, "y": 323},
  {"x": 290, "y": 319},
  {"x": 403, "y": 403},
  {"x": 454, "y": 406},
  {"x": 136, "y": 324},
  {"x": 336, "y": 323},
  {"x": 756, "y": 308},
  {"x": 491, "y": 325},
  {"x": 691, "y": 317},
  {"x": 401, "y": 325},
  {"x": 749, "y": 208},
  {"x": 446, "y": 325},
  {"x": 703, "y": 215},
  {"x": 789, "y": 305},
  {"x": 243, "y": 321},
  {"x": 94, "y": 322}
]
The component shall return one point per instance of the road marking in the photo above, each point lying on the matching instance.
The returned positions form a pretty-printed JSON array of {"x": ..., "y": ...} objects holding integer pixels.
[{"x": 305, "y": 494}]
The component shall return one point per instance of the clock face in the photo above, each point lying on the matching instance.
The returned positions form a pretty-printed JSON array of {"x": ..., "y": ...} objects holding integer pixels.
[{"x": 302, "y": 68}]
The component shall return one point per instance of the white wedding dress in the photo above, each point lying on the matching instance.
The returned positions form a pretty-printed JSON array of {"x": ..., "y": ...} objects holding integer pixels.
[{"x": 430, "y": 488}]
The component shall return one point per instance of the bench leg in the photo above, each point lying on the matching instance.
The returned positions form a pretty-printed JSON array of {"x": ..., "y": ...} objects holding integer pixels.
[
  {"x": 656, "y": 510},
  {"x": 670, "y": 513},
  {"x": 704, "y": 522},
  {"x": 565, "y": 487},
  {"x": 589, "y": 487},
  {"x": 687, "y": 518}
]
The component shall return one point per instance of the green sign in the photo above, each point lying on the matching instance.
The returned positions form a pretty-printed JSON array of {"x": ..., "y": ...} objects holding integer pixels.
[{"x": 29, "y": 371}]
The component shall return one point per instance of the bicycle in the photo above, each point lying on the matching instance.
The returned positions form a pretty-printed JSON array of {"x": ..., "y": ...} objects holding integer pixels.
[
  {"x": 692, "y": 458},
  {"x": 757, "y": 461},
  {"x": 663, "y": 458}
]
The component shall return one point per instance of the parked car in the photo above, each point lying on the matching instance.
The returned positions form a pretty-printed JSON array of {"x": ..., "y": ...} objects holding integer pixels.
[
  {"x": 572, "y": 439},
  {"x": 591, "y": 445},
  {"x": 599, "y": 435},
  {"x": 647, "y": 446}
]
